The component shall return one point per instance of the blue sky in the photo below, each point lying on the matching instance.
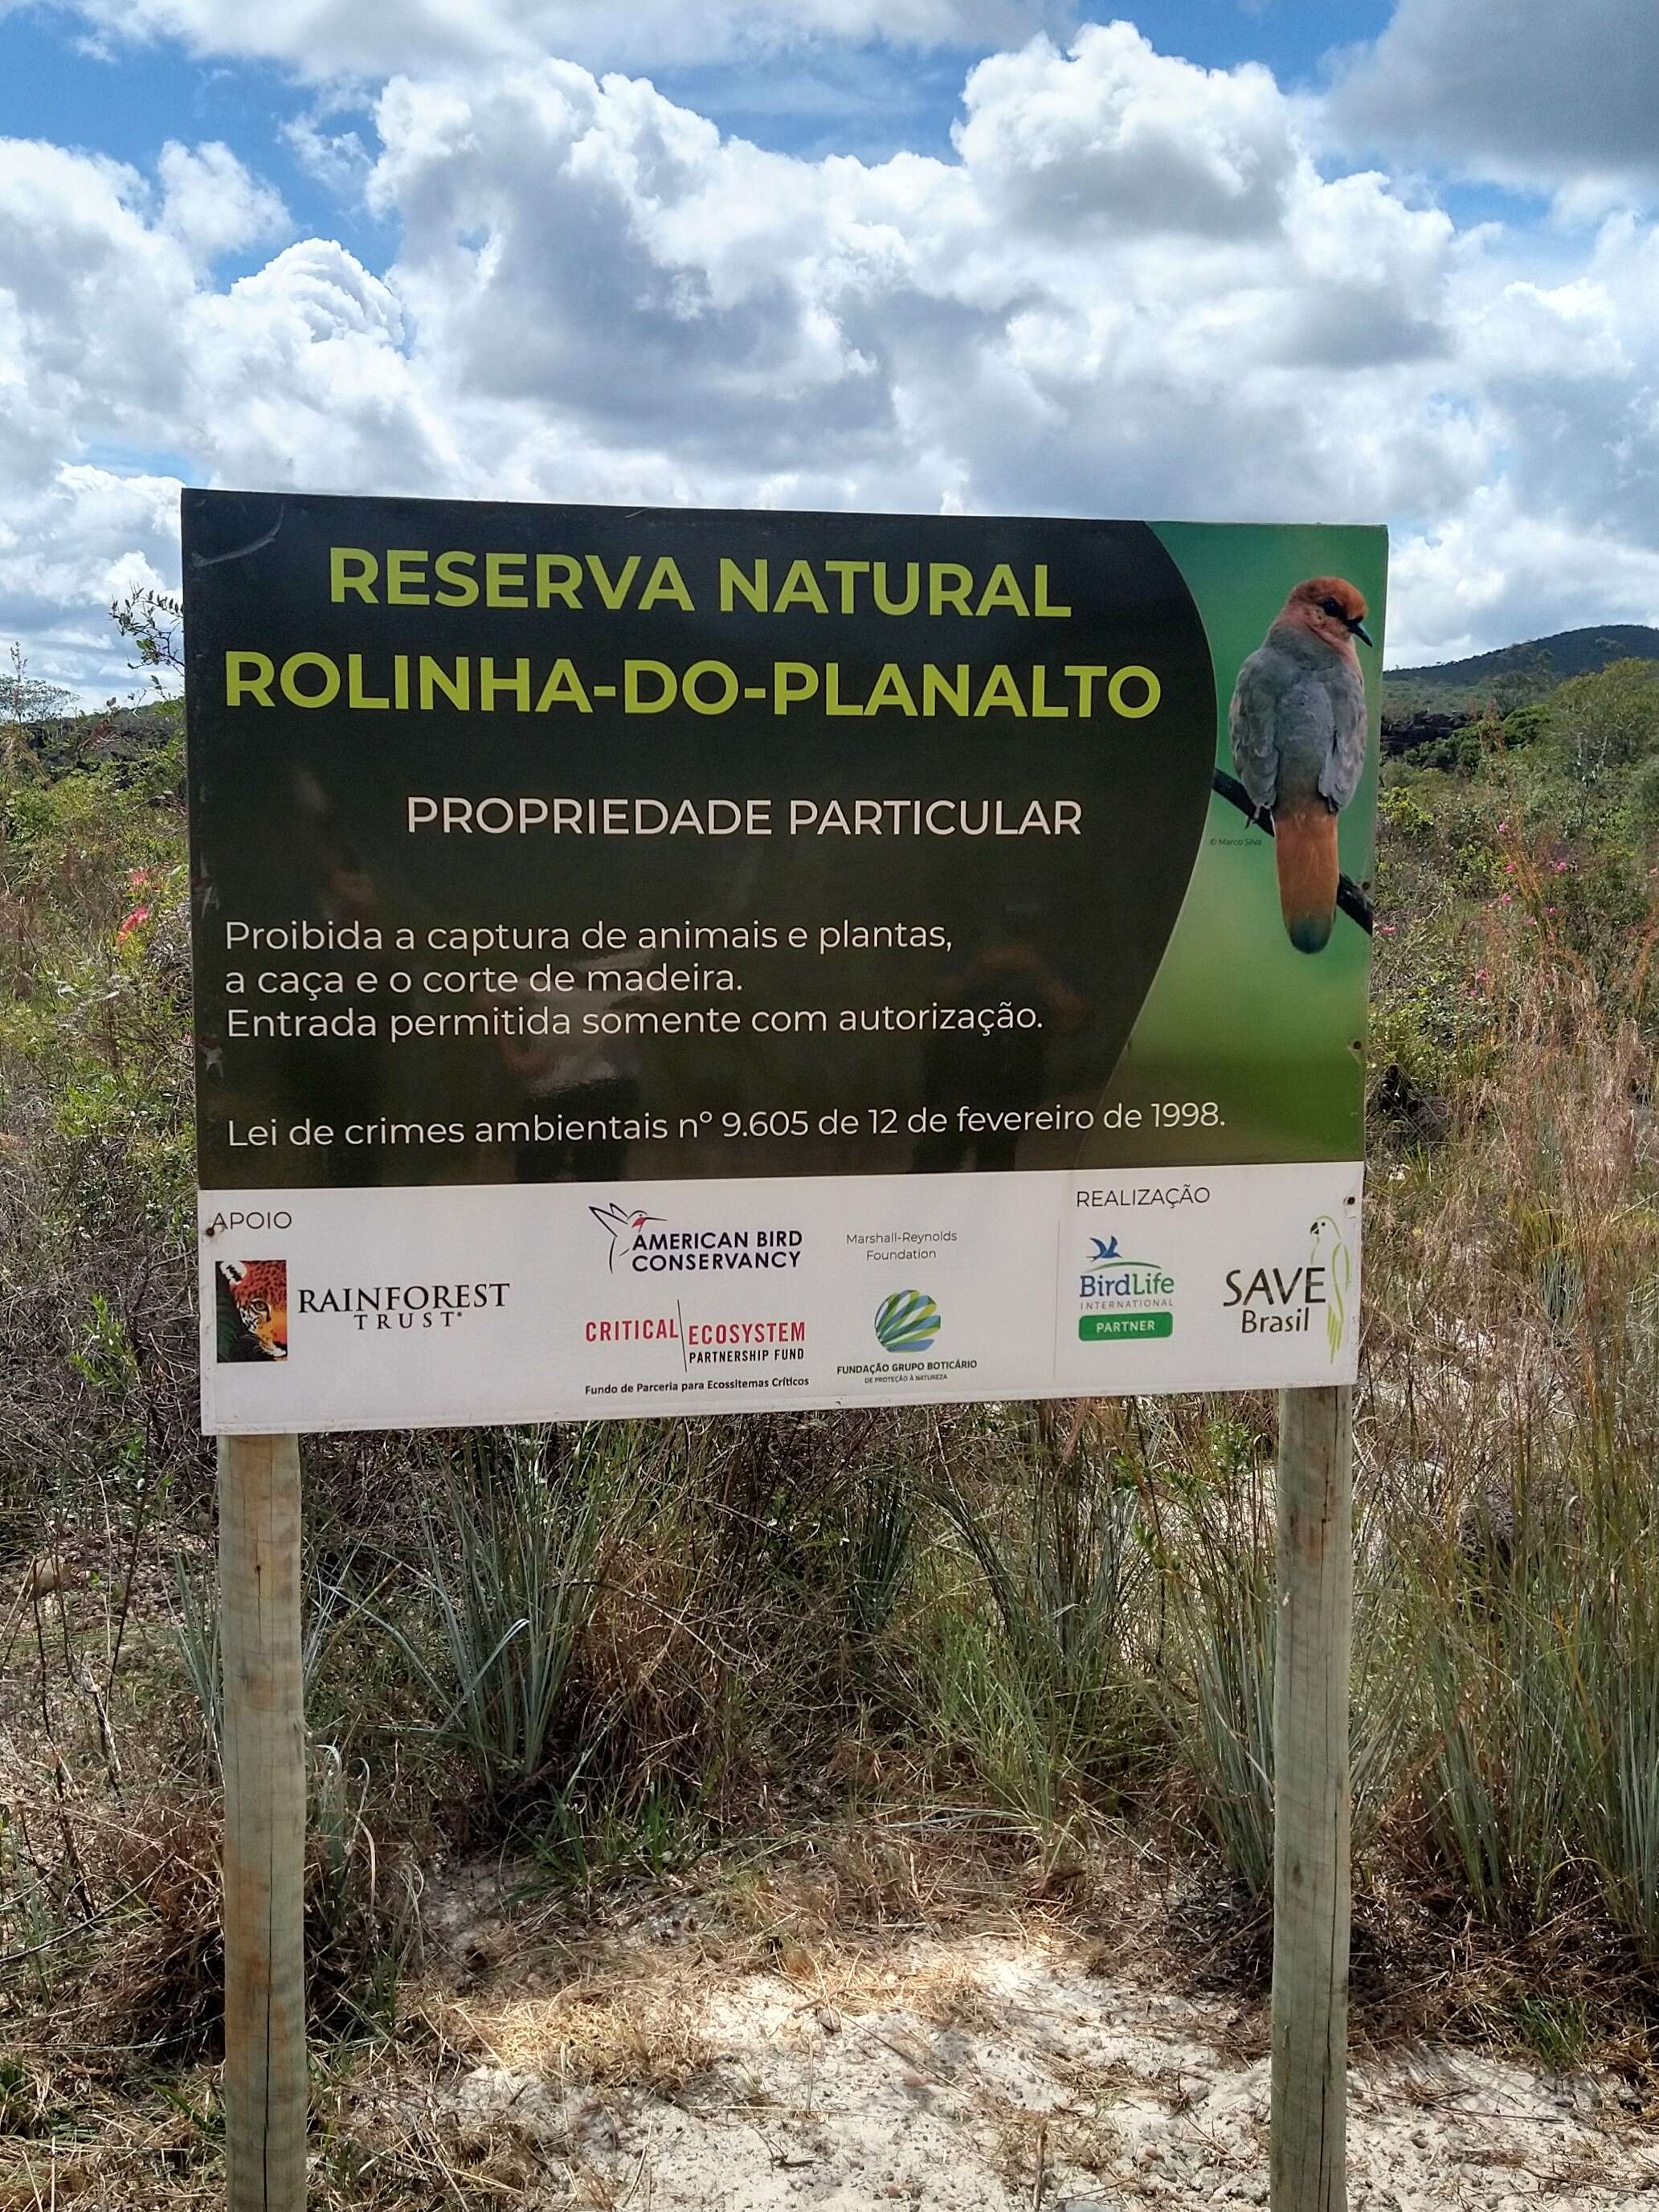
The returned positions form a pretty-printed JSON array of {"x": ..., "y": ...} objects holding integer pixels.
[
  {"x": 59, "y": 82},
  {"x": 126, "y": 100},
  {"x": 1212, "y": 258}
]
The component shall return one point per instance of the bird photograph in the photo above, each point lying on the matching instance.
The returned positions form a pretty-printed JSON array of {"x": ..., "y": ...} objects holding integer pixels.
[{"x": 1297, "y": 729}]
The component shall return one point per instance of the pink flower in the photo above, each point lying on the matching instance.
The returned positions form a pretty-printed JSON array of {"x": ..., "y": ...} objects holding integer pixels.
[
  {"x": 1508, "y": 867},
  {"x": 1506, "y": 900},
  {"x": 1552, "y": 910},
  {"x": 1482, "y": 976},
  {"x": 1561, "y": 867},
  {"x": 136, "y": 920},
  {"x": 137, "y": 879},
  {"x": 1502, "y": 827},
  {"x": 1386, "y": 928}
]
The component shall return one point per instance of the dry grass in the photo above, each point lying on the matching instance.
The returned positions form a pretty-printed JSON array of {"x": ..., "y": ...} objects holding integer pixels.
[{"x": 808, "y": 1686}]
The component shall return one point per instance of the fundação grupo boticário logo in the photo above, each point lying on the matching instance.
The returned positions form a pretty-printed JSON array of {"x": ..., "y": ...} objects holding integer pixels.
[{"x": 907, "y": 1320}]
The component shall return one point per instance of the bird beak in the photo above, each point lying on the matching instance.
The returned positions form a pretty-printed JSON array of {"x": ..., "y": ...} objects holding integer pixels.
[{"x": 1359, "y": 629}]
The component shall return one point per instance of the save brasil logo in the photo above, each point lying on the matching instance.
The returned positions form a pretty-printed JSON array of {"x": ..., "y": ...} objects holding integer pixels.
[
  {"x": 1276, "y": 1303},
  {"x": 1123, "y": 1299},
  {"x": 1330, "y": 1245},
  {"x": 907, "y": 1320}
]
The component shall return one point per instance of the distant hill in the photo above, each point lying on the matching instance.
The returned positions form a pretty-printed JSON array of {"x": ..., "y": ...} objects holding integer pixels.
[{"x": 1518, "y": 671}]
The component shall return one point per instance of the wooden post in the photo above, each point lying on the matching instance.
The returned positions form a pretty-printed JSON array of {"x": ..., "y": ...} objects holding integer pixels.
[
  {"x": 262, "y": 1754},
  {"x": 1312, "y": 1890}
]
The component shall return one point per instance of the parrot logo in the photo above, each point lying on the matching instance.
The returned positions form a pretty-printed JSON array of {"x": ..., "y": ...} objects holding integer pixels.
[
  {"x": 1297, "y": 728},
  {"x": 1330, "y": 1251}
]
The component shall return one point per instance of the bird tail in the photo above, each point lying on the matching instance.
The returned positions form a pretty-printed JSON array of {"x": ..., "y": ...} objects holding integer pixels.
[{"x": 1304, "y": 845}]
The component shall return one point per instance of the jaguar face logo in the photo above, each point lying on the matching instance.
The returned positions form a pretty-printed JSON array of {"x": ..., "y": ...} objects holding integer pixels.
[{"x": 251, "y": 1309}]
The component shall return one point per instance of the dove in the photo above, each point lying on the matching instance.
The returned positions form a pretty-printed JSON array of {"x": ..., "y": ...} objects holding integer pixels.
[{"x": 1297, "y": 728}]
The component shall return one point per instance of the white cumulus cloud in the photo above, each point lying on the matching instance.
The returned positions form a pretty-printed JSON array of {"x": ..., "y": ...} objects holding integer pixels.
[
  {"x": 1135, "y": 287},
  {"x": 1539, "y": 93},
  {"x": 321, "y": 39},
  {"x": 211, "y": 204}
]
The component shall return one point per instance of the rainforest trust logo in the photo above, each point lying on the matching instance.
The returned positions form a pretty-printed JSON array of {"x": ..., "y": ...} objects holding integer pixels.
[{"x": 249, "y": 1299}]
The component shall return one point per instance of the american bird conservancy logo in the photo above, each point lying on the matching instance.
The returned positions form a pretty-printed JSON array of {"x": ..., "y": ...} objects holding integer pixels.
[
  {"x": 622, "y": 1224},
  {"x": 1284, "y": 1302},
  {"x": 907, "y": 1320},
  {"x": 642, "y": 1244},
  {"x": 1123, "y": 1300}
]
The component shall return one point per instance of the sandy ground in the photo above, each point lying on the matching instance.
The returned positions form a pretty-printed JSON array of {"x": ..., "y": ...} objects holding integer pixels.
[{"x": 968, "y": 2074}]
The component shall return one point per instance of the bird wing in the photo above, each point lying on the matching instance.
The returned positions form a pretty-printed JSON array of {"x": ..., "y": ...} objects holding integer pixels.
[
  {"x": 1253, "y": 725},
  {"x": 1345, "y": 764}
]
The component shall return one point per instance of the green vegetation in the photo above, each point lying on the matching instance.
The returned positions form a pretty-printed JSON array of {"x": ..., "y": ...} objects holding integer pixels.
[
  {"x": 607, "y": 1652},
  {"x": 1517, "y": 673}
]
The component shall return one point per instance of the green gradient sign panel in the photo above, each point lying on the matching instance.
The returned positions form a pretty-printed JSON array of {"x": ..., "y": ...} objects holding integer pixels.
[{"x": 861, "y": 873}]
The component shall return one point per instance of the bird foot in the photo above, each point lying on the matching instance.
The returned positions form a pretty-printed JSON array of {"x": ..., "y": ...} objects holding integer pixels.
[{"x": 1331, "y": 806}]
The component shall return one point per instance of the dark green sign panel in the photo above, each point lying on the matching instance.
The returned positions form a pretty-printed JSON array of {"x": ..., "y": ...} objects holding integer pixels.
[{"x": 547, "y": 843}]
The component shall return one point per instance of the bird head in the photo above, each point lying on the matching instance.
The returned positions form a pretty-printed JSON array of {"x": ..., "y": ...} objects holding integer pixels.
[{"x": 1331, "y": 608}]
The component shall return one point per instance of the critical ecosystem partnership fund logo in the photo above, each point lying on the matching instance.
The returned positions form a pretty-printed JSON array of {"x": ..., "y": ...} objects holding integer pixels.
[
  {"x": 1312, "y": 1300},
  {"x": 1124, "y": 1300},
  {"x": 907, "y": 1320}
]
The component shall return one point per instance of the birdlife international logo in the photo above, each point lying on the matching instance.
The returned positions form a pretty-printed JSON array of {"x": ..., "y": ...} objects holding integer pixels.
[
  {"x": 907, "y": 1320},
  {"x": 1122, "y": 1300}
]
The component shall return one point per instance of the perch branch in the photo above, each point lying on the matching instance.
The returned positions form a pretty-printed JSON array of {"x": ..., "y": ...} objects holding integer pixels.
[{"x": 1349, "y": 896}]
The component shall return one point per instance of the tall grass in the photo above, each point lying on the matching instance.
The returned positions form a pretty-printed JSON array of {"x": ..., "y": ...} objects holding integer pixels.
[
  {"x": 1528, "y": 1388},
  {"x": 516, "y": 1543},
  {"x": 614, "y": 1637},
  {"x": 1029, "y": 1657},
  {"x": 1217, "y": 1700}
]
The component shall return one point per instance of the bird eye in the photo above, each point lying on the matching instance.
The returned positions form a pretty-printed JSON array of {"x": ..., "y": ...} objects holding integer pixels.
[{"x": 1330, "y": 607}]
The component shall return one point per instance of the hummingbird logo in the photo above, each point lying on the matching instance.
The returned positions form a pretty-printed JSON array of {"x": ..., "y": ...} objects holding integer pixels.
[{"x": 614, "y": 1220}]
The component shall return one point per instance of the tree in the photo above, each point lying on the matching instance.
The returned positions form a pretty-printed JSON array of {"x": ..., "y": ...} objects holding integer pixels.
[
  {"x": 155, "y": 623},
  {"x": 1607, "y": 719},
  {"x": 23, "y": 700}
]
